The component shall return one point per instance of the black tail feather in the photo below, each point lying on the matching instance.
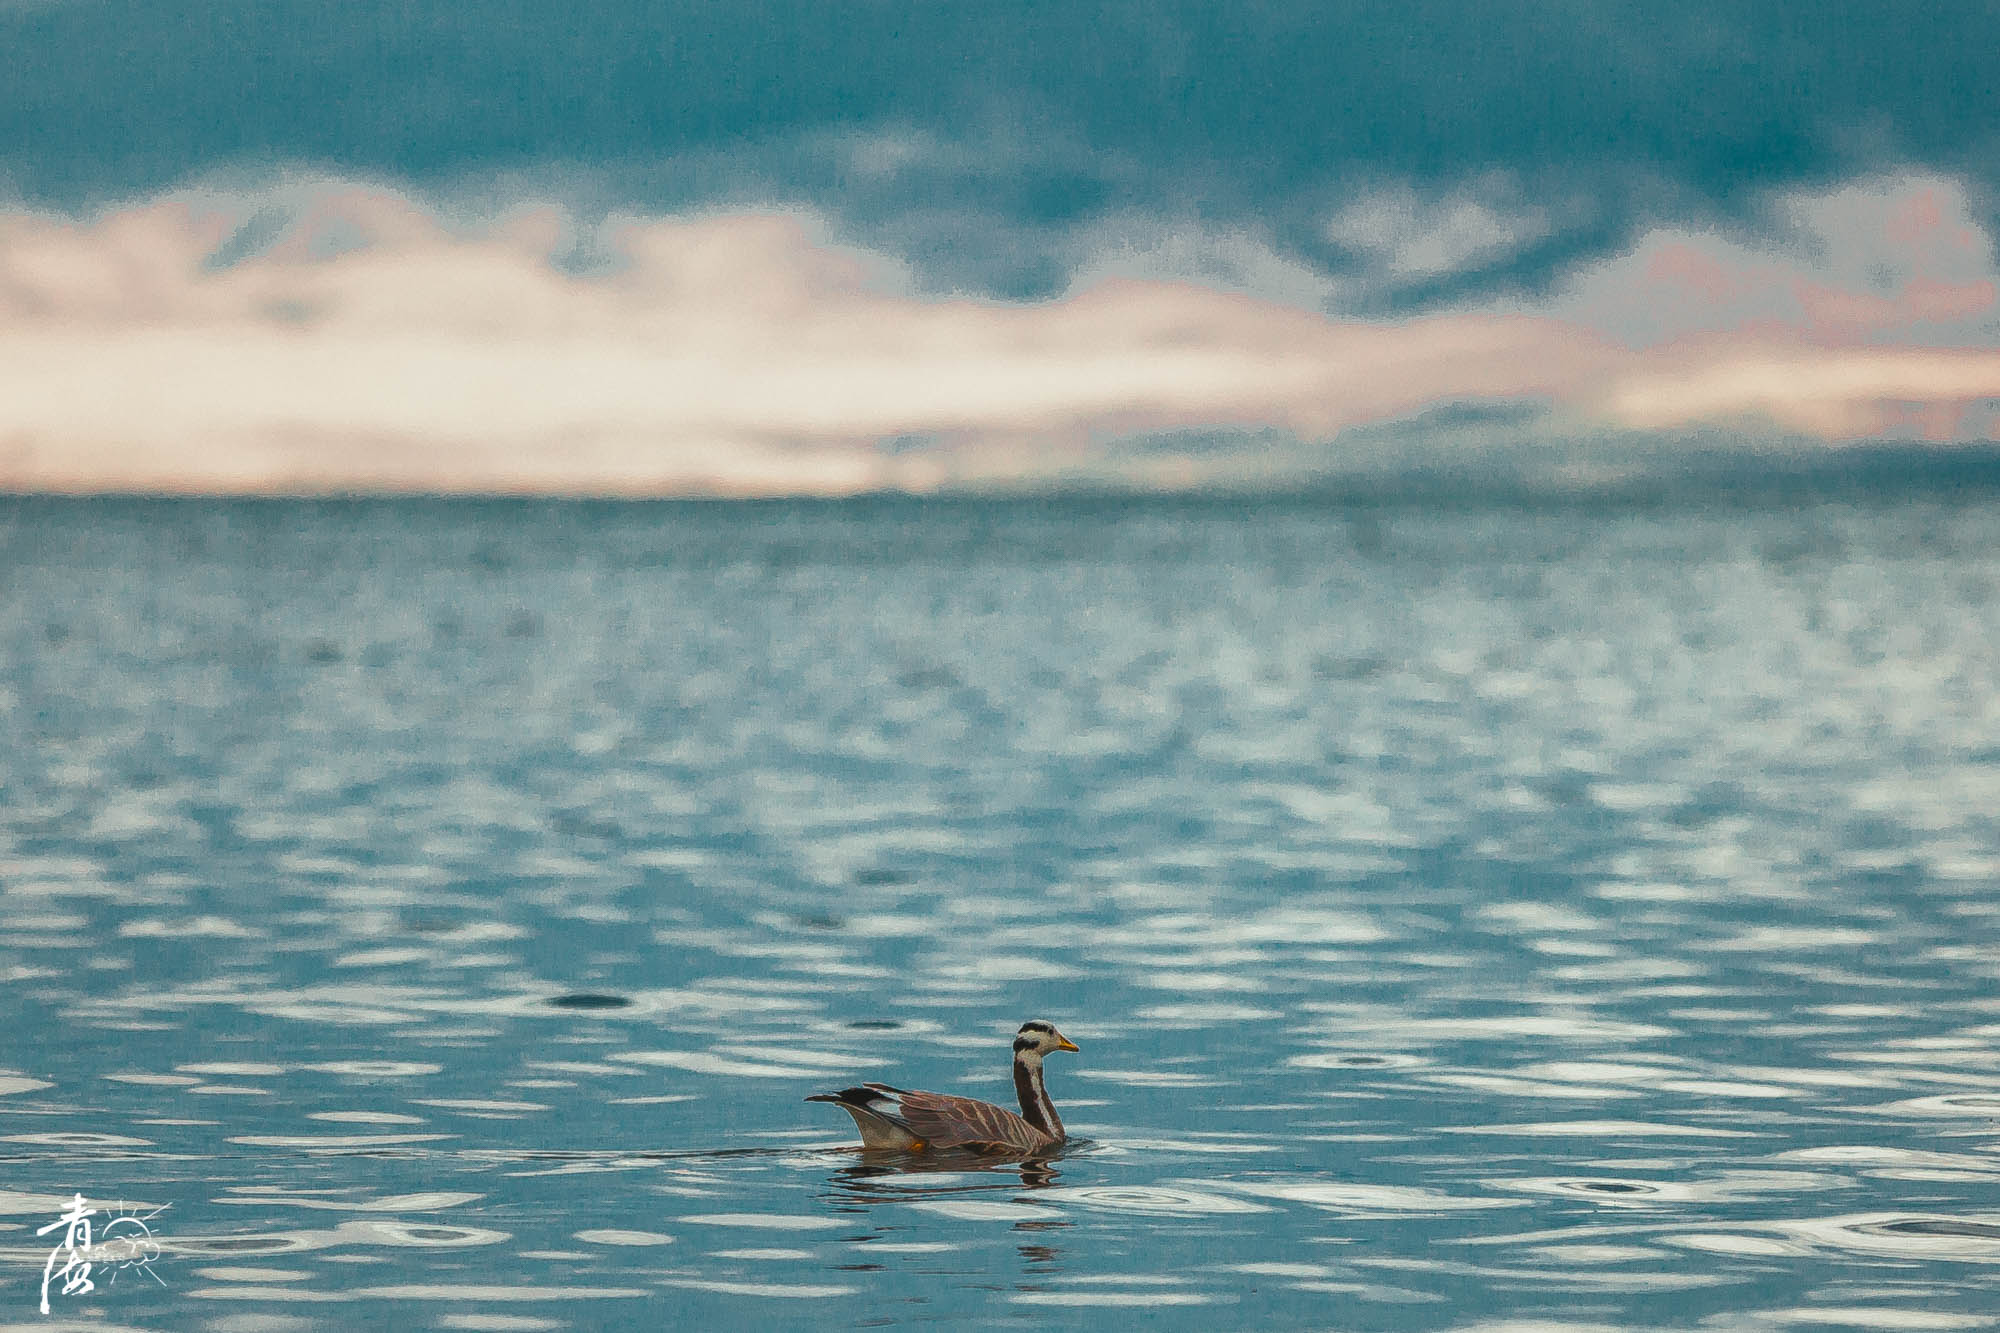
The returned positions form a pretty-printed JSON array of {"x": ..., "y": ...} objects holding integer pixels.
[{"x": 861, "y": 1096}]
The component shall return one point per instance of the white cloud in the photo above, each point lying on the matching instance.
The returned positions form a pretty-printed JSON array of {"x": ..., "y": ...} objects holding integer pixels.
[
  {"x": 1886, "y": 231},
  {"x": 1409, "y": 237},
  {"x": 1896, "y": 258},
  {"x": 370, "y": 346},
  {"x": 1231, "y": 260}
]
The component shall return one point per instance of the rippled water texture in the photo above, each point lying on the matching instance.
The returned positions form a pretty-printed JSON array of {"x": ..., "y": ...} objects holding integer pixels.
[{"x": 1513, "y": 914}]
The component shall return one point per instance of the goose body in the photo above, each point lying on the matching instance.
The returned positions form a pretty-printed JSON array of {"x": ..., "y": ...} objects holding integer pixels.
[{"x": 918, "y": 1121}]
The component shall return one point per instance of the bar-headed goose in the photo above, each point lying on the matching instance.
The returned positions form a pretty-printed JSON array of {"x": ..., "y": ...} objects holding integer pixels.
[{"x": 917, "y": 1121}]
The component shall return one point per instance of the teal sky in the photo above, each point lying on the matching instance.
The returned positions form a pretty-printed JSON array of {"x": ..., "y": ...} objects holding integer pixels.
[
  {"x": 1019, "y": 120},
  {"x": 281, "y": 244}
]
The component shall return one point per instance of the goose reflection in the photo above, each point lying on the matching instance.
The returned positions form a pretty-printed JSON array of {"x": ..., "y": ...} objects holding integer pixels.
[
  {"x": 980, "y": 1187},
  {"x": 901, "y": 1177},
  {"x": 1045, "y": 1256}
]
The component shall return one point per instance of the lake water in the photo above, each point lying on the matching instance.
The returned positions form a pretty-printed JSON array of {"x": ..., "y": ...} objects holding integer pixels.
[{"x": 1541, "y": 914}]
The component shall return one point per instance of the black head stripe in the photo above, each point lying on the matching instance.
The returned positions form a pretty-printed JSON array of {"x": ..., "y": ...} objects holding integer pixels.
[
  {"x": 1023, "y": 1044},
  {"x": 1037, "y": 1025}
]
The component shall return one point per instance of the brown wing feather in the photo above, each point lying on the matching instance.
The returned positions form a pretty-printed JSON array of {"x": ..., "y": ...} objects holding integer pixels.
[{"x": 965, "y": 1122}]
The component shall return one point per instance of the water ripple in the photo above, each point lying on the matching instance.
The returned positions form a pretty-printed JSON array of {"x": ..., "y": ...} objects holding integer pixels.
[
  {"x": 1577, "y": 916},
  {"x": 1151, "y": 1200}
]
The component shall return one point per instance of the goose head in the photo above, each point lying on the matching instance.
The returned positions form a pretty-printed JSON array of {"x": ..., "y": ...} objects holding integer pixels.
[{"x": 1038, "y": 1038}]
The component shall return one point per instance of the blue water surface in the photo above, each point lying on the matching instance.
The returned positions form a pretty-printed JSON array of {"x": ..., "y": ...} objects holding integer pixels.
[{"x": 1477, "y": 915}]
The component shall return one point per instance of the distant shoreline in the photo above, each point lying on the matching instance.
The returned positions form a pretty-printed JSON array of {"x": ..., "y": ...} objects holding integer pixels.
[{"x": 1874, "y": 473}]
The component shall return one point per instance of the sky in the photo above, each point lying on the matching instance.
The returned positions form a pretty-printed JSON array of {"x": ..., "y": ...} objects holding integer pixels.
[{"x": 791, "y": 248}]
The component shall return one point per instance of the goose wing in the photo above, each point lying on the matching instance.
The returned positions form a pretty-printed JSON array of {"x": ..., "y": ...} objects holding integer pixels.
[{"x": 965, "y": 1122}]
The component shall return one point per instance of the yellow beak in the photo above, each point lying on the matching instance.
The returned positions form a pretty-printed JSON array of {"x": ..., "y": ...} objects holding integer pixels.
[{"x": 1064, "y": 1043}]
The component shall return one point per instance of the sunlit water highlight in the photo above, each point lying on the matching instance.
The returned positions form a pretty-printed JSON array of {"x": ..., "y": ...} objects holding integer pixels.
[{"x": 1572, "y": 915}]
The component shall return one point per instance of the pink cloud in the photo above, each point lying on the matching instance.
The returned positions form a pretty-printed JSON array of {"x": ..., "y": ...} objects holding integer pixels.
[
  {"x": 373, "y": 348},
  {"x": 1689, "y": 270},
  {"x": 1833, "y": 393},
  {"x": 1915, "y": 217},
  {"x": 1837, "y": 315}
]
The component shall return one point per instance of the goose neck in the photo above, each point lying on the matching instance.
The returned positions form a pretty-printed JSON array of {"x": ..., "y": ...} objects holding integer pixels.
[{"x": 1036, "y": 1108}]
